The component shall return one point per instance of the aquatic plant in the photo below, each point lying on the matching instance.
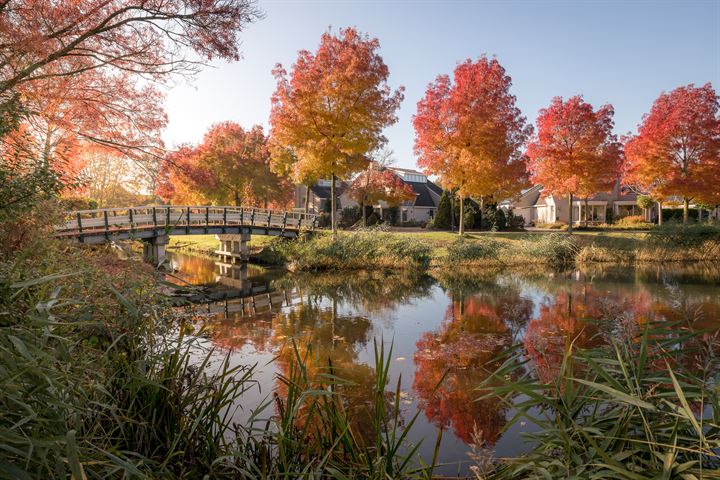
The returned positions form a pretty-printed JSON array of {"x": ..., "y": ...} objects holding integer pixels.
[{"x": 640, "y": 406}]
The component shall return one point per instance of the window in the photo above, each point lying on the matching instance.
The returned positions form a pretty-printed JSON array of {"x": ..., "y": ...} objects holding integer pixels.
[{"x": 404, "y": 215}]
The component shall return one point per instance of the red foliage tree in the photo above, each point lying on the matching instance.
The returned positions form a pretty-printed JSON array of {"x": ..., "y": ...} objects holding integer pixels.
[
  {"x": 574, "y": 151},
  {"x": 378, "y": 184},
  {"x": 230, "y": 166},
  {"x": 677, "y": 148},
  {"x": 469, "y": 132}
]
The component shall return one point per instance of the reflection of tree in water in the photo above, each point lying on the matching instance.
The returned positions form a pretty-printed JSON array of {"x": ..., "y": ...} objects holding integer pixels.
[
  {"x": 476, "y": 329},
  {"x": 329, "y": 344},
  {"x": 583, "y": 315},
  {"x": 255, "y": 331}
]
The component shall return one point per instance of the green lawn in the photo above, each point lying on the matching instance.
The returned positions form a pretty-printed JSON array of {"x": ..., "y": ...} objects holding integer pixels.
[{"x": 208, "y": 243}]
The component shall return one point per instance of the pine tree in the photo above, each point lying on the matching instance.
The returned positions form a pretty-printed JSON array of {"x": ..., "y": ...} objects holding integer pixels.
[{"x": 444, "y": 212}]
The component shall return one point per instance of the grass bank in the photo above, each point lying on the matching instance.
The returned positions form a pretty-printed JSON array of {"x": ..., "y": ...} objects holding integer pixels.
[{"x": 423, "y": 250}]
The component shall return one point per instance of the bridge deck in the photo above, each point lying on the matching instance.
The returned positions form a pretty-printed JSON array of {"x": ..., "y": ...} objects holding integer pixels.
[{"x": 98, "y": 226}]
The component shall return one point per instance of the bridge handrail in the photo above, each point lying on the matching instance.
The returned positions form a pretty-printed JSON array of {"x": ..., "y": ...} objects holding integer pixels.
[{"x": 161, "y": 216}]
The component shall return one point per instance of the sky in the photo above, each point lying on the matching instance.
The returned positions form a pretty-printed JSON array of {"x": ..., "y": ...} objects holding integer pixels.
[{"x": 620, "y": 52}]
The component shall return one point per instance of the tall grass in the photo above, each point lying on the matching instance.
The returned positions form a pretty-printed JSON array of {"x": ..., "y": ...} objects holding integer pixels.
[
  {"x": 127, "y": 392},
  {"x": 641, "y": 406},
  {"x": 315, "y": 433},
  {"x": 358, "y": 250}
]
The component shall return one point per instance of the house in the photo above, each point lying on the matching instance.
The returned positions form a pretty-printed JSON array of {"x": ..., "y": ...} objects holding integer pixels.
[
  {"x": 420, "y": 209},
  {"x": 427, "y": 196},
  {"x": 535, "y": 206}
]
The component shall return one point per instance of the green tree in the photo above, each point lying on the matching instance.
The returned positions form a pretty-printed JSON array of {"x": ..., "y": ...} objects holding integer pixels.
[
  {"x": 444, "y": 213},
  {"x": 645, "y": 202}
]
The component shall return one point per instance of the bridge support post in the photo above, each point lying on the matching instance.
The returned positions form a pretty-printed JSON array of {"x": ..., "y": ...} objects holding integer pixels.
[
  {"x": 233, "y": 247},
  {"x": 154, "y": 249},
  {"x": 235, "y": 276}
]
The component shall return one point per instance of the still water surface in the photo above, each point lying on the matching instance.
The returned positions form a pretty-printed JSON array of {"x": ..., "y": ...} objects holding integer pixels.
[{"x": 454, "y": 322}]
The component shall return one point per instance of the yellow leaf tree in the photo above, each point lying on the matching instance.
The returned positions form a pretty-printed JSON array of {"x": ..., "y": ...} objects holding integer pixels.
[{"x": 328, "y": 114}]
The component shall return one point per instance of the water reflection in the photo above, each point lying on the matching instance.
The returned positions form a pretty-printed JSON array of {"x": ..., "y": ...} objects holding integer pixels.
[{"x": 446, "y": 330}]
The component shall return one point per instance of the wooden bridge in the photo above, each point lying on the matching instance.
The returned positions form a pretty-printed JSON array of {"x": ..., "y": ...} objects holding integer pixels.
[{"x": 232, "y": 226}]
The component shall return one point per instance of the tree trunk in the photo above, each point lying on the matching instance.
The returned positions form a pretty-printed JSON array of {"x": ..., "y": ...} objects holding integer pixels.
[
  {"x": 570, "y": 211},
  {"x": 333, "y": 218},
  {"x": 452, "y": 212},
  {"x": 307, "y": 198},
  {"x": 586, "y": 212},
  {"x": 686, "y": 207},
  {"x": 659, "y": 205},
  {"x": 462, "y": 215},
  {"x": 482, "y": 207},
  {"x": 237, "y": 198},
  {"x": 364, "y": 215},
  {"x": 700, "y": 212}
]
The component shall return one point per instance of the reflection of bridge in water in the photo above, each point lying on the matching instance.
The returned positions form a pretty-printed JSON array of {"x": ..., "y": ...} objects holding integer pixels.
[
  {"x": 243, "y": 295},
  {"x": 153, "y": 225}
]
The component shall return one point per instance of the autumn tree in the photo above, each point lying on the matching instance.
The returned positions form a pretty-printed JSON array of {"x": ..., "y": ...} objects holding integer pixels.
[
  {"x": 328, "y": 114},
  {"x": 379, "y": 184},
  {"x": 230, "y": 166},
  {"x": 91, "y": 71},
  {"x": 469, "y": 132},
  {"x": 574, "y": 151},
  {"x": 677, "y": 148}
]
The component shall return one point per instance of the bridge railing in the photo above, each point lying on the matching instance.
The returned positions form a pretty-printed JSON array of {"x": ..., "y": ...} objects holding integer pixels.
[{"x": 181, "y": 216}]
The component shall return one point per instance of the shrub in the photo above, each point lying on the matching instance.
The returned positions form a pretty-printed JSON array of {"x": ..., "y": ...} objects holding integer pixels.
[
  {"x": 632, "y": 220},
  {"x": 516, "y": 222},
  {"x": 466, "y": 251},
  {"x": 553, "y": 248},
  {"x": 609, "y": 216},
  {"x": 676, "y": 215},
  {"x": 553, "y": 226},
  {"x": 391, "y": 215},
  {"x": 469, "y": 218},
  {"x": 77, "y": 203},
  {"x": 415, "y": 223},
  {"x": 372, "y": 219},
  {"x": 349, "y": 216}
]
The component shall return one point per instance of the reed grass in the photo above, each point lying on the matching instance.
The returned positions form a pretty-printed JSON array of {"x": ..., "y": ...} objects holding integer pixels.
[
  {"x": 641, "y": 406},
  {"x": 127, "y": 392}
]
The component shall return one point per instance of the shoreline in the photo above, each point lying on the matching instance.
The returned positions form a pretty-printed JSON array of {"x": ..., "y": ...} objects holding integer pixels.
[{"x": 426, "y": 251}]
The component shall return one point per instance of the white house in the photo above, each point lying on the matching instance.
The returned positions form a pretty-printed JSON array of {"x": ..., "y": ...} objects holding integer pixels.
[{"x": 535, "y": 206}]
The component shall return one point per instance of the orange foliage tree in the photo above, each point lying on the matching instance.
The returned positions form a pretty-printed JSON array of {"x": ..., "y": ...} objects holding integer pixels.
[
  {"x": 574, "y": 151},
  {"x": 328, "y": 115},
  {"x": 231, "y": 165},
  {"x": 677, "y": 148},
  {"x": 88, "y": 70},
  {"x": 469, "y": 132},
  {"x": 378, "y": 184}
]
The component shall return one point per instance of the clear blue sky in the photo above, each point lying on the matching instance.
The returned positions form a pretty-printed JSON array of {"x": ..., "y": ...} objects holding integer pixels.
[{"x": 620, "y": 52}]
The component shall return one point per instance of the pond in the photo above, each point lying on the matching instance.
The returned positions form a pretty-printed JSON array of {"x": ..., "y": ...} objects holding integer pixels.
[{"x": 445, "y": 331}]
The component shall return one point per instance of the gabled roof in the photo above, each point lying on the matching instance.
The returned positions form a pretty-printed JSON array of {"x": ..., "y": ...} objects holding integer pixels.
[
  {"x": 322, "y": 191},
  {"x": 423, "y": 198}
]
